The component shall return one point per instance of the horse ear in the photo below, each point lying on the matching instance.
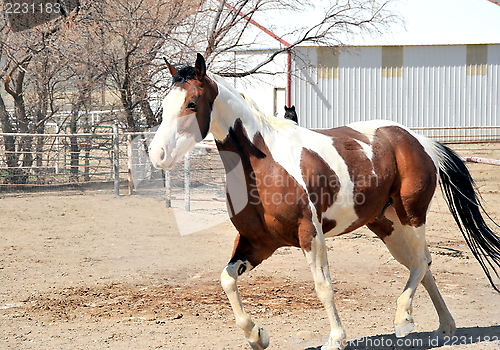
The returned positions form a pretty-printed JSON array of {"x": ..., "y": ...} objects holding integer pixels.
[
  {"x": 171, "y": 68},
  {"x": 200, "y": 68}
]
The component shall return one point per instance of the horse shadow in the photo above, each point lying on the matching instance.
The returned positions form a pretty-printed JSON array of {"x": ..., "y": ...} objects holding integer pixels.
[{"x": 425, "y": 340}]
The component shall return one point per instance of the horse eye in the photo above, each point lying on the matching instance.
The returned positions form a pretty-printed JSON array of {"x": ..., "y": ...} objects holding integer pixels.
[{"x": 191, "y": 105}]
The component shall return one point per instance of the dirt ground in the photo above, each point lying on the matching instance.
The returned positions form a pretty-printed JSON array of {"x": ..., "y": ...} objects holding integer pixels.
[{"x": 86, "y": 270}]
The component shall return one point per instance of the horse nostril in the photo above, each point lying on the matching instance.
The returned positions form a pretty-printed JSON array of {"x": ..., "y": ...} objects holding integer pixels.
[{"x": 163, "y": 154}]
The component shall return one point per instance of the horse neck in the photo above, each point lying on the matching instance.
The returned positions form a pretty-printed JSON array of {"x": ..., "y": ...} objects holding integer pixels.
[
  {"x": 228, "y": 107},
  {"x": 239, "y": 131}
]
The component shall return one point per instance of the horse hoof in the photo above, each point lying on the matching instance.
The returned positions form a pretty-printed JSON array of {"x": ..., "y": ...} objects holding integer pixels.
[
  {"x": 259, "y": 338},
  {"x": 404, "y": 328},
  {"x": 446, "y": 330},
  {"x": 329, "y": 346},
  {"x": 442, "y": 335},
  {"x": 335, "y": 343}
]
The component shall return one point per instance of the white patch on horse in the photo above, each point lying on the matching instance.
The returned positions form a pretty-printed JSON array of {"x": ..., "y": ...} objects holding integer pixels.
[
  {"x": 367, "y": 149},
  {"x": 342, "y": 210},
  {"x": 368, "y": 128},
  {"x": 173, "y": 102},
  {"x": 228, "y": 106},
  {"x": 278, "y": 134}
]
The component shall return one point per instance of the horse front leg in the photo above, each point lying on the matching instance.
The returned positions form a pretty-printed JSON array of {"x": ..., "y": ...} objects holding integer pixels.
[
  {"x": 256, "y": 336},
  {"x": 245, "y": 257},
  {"x": 318, "y": 262}
]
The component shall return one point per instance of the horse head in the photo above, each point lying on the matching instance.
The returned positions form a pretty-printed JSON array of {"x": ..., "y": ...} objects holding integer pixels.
[{"x": 186, "y": 118}]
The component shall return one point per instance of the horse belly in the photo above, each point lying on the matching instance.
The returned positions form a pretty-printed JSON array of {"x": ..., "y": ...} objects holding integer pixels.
[{"x": 340, "y": 220}]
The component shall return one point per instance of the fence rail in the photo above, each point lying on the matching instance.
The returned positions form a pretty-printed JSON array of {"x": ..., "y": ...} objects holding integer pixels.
[
  {"x": 45, "y": 159},
  {"x": 469, "y": 134}
]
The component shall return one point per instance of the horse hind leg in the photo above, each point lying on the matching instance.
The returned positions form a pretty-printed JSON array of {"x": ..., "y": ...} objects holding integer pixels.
[
  {"x": 408, "y": 246},
  {"x": 446, "y": 323}
]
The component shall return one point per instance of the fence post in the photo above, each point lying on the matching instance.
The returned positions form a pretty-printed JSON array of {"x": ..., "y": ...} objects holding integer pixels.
[
  {"x": 187, "y": 182},
  {"x": 168, "y": 189},
  {"x": 129, "y": 165},
  {"x": 58, "y": 150},
  {"x": 116, "y": 163}
]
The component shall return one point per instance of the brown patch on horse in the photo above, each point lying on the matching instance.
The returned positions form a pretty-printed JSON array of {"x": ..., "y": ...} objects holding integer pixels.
[
  {"x": 200, "y": 96},
  {"x": 417, "y": 175},
  {"x": 344, "y": 132},
  {"x": 322, "y": 184},
  {"x": 328, "y": 225},
  {"x": 277, "y": 213},
  {"x": 382, "y": 228}
]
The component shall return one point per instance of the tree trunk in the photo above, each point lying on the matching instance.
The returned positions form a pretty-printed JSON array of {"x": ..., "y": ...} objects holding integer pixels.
[
  {"x": 148, "y": 114},
  {"x": 15, "y": 175},
  {"x": 25, "y": 142},
  {"x": 126, "y": 95},
  {"x": 40, "y": 127}
]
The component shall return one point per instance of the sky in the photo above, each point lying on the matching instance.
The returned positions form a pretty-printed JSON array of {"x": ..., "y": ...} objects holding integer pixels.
[
  {"x": 435, "y": 22},
  {"x": 426, "y": 22}
]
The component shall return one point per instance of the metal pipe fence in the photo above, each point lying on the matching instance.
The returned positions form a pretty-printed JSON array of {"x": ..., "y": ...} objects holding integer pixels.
[
  {"x": 31, "y": 160},
  {"x": 115, "y": 159},
  {"x": 469, "y": 134}
]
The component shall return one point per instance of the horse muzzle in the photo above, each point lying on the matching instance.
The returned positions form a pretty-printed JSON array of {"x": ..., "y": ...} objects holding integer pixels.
[
  {"x": 164, "y": 157},
  {"x": 161, "y": 159}
]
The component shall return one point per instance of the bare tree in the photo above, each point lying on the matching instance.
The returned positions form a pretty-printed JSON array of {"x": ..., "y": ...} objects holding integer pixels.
[
  {"x": 17, "y": 58},
  {"x": 229, "y": 27},
  {"x": 29, "y": 75},
  {"x": 128, "y": 36}
]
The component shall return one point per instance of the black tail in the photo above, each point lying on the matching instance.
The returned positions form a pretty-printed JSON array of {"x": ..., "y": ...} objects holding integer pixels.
[{"x": 464, "y": 202}]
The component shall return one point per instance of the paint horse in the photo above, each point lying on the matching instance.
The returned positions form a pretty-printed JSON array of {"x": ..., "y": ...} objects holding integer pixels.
[
  {"x": 291, "y": 114},
  {"x": 303, "y": 185}
]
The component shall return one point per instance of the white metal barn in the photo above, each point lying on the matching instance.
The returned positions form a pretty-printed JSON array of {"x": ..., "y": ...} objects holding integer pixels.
[
  {"x": 441, "y": 76},
  {"x": 419, "y": 86}
]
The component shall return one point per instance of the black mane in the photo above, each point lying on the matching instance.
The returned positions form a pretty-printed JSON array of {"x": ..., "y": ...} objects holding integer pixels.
[{"x": 184, "y": 73}]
